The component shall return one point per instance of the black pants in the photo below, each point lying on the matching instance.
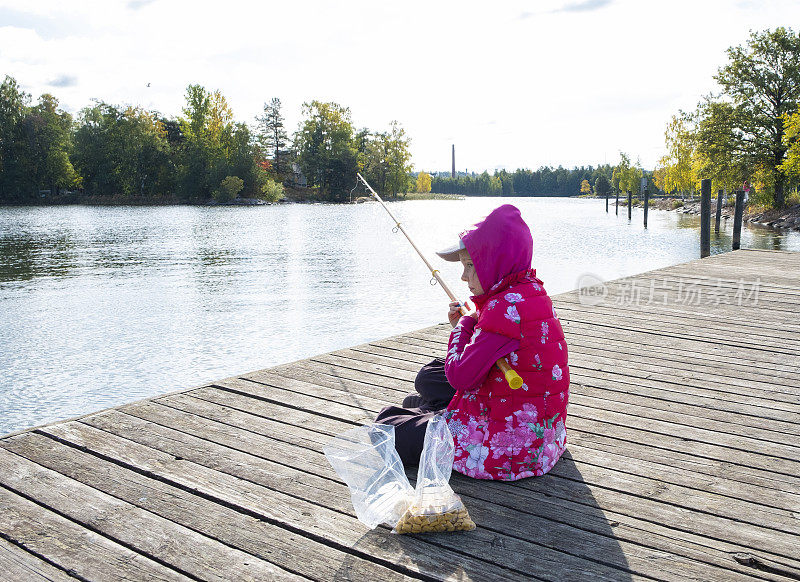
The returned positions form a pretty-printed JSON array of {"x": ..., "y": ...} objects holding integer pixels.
[{"x": 435, "y": 393}]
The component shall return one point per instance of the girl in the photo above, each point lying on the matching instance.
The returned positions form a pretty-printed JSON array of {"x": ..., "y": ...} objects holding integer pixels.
[{"x": 499, "y": 433}]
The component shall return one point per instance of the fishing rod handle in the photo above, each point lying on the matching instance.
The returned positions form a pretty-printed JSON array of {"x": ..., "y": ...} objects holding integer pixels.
[{"x": 514, "y": 380}]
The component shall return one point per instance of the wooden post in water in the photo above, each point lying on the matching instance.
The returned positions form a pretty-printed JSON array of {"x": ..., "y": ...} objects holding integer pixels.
[
  {"x": 646, "y": 204},
  {"x": 630, "y": 197},
  {"x": 737, "y": 219},
  {"x": 705, "y": 218},
  {"x": 617, "y": 203},
  {"x": 719, "y": 210},
  {"x": 606, "y": 202}
]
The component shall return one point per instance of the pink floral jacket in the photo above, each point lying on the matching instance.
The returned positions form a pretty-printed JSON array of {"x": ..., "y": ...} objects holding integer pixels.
[{"x": 508, "y": 434}]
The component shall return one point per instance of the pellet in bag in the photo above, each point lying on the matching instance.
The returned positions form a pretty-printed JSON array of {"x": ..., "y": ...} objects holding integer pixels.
[
  {"x": 435, "y": 506},
  {"x": 365, "y": 458}
]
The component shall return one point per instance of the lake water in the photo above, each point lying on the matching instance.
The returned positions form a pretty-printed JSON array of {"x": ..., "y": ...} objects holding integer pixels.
[{"x": 105, "y": 305}]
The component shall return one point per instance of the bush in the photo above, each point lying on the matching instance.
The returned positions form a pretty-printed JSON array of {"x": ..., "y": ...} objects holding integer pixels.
[
  {"x": 272, "y": 190},
  {"x": 228, "y": 189},
  {"x": 676, "y": 204}
]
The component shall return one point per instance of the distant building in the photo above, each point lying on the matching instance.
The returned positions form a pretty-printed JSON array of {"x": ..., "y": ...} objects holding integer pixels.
[{"x": 297, "y": 175}]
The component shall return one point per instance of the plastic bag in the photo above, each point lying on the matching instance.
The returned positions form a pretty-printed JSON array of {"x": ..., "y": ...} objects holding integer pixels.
[{"x": 366, "y": 459}]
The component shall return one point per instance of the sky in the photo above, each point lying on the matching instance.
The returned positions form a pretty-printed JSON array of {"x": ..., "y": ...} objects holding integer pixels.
[{"x": 511, "y": 84}]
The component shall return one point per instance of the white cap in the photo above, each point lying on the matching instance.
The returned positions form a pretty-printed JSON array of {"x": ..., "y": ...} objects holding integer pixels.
[{"x": 451, "y": 252}]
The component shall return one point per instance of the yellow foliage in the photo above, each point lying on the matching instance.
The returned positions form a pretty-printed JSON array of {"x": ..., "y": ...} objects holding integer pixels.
[
  {"x": 791, "y": 138},
  {"x": 680, "y": 162},
  {"x": 423, "y": 183}
]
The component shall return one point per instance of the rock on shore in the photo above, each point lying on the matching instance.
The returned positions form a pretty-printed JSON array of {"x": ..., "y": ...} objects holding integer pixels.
[{"x": 788, "y": 217}]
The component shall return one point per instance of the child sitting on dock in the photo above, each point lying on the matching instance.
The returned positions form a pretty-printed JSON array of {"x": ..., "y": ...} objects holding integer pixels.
[{"x": 499, "y": 433}]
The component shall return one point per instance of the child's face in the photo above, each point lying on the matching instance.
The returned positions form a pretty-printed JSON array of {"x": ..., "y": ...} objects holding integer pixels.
[{"x": 470, "y": 275}]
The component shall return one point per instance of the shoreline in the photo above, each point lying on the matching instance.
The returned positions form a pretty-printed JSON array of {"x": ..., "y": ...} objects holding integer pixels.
[{"x": 786, "y": 219}]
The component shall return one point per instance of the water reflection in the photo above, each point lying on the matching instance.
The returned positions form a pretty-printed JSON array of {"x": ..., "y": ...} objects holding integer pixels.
[
  {"x": 104, "y": 305},
  {"x": 24, "y": 256}
]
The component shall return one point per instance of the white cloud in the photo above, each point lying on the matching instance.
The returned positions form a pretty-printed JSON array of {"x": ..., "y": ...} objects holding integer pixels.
[{"x": 572, "y": 83}]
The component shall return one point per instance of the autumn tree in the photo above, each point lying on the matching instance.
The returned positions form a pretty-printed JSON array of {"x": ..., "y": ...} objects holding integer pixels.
[
  {"x": 678, "y": 163},
  {"x": 791, "y": 138},
  {"x": 762, "y": 81},
  {"x": 214, "y": 147},
  {"x": 423, "y": 183},
  {"x": 586, "y": 188}
]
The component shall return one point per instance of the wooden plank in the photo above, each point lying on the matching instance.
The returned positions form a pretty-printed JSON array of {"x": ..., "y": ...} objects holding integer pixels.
[
  {"x": 683, "y": 312},
  {"x": 739, "y": 415},
  {"x": 642, "y": 489},
  {"x": 17, "y": 564},
  {"x": 258, "y": 538},
  {"x": 550, "y": 531},
  {"x": 779, "y": 420},
  {"x": 775, "y": 392},
  {"x": 642, "y": 355},
  {"x": 701, "y": 350},
  {"x": 75, "y": 549},
  {"x": 434, "y": 339},
  {"x": 673, "y": 446},
  {"x": 239, "y": 402},
  {"x": 184, "y": 550},
  {"x": 305, "y": 460},
  {"x": 745, "y": 327},
  {"x": 653, "y": 420},
  {"x": 438, "y": 555},
  {"x": 640, "y": 430}
]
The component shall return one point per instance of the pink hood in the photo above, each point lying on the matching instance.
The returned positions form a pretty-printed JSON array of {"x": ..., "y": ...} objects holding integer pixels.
[{"x": 499, "y": 245}]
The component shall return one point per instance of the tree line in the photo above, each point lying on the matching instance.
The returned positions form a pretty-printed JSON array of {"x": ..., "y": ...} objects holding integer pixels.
[
  {"x": 749, "y": 130},
  {"x": 128, "y": 154},
  {"x": 546, "y": 181}
]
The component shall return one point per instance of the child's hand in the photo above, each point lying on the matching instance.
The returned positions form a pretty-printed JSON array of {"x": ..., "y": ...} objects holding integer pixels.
[{"x": 455, "y": 313}]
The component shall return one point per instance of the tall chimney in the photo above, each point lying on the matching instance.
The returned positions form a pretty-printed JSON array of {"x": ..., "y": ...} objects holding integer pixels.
[{"x": 453, "y": 172}]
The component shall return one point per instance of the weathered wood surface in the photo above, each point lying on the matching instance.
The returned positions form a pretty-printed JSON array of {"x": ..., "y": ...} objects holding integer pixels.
[{"x": 683, "y": 458}]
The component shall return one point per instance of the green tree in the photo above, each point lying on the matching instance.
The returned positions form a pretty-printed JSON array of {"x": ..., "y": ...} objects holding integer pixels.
[
  {"x": 602, "y": 186},
  {"x": 720, "y": 151},
  {"x": 123, "y": 151},
  {"x": 762, "y": 79},
  {"x": 326, "y": 150},
  {"x": 271, "y": 190},
  {"x": 272, "y": 136},
  {"x": 13, "y": 106},
  {"x": 373, "y": 158},
  {"x": 49, "y": 135},
  {"x": 214, "y": 147},
  {"x": 398, "y": 158},
  {"x": 228, "y": 189},
  {"x": 626, "y": 176}
]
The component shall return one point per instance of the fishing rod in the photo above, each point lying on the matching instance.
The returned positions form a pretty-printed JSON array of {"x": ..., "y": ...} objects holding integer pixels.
[{"x": 514, "y": 380}]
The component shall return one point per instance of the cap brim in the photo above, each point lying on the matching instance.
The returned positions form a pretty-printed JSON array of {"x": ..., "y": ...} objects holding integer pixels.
[{"x": 451, "y": 252}]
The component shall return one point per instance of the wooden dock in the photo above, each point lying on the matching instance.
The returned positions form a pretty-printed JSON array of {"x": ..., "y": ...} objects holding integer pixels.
[{"x": 683, "y": 458}]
